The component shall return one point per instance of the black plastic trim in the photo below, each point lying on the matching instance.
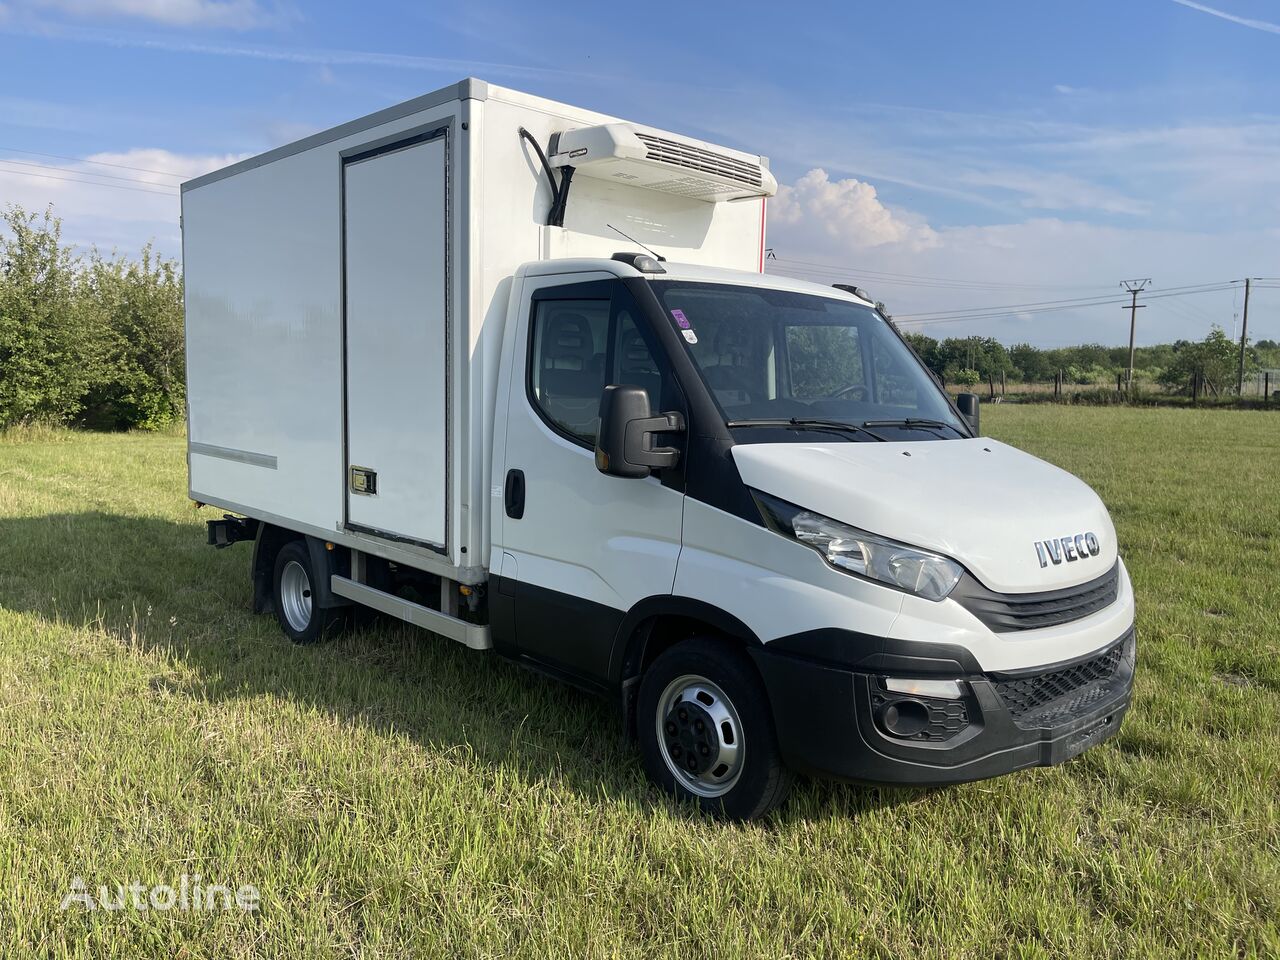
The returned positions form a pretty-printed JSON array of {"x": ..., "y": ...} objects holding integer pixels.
[
  {"x": 1010, "y": 612},
  {"x": 629, "y": 643},
  {"x": 827, "y": 724},
  {"x": 852, "y": 650},
  {"x": 562, "y": 634},
  {"x": 711, "y": 475}
]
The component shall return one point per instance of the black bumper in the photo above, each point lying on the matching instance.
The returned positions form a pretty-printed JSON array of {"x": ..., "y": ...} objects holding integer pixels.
[{"x": 831, "y": 717}]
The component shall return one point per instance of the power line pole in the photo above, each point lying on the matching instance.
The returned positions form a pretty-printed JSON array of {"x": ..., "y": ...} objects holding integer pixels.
[
  {"x": 1134, "y": 287},
  {"x": 1244, "y": 334}
]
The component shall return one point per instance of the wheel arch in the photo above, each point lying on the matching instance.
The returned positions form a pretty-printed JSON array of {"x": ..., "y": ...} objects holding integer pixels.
[
  {"x": 657, "y": 623},
  {"x": 325, "y": 561}
]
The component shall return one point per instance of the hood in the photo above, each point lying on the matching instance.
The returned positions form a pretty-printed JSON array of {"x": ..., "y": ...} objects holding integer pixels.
[{"x": 993, "y": 508}]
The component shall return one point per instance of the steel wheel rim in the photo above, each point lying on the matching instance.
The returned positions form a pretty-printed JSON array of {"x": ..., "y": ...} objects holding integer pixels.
[
  {"x": 295, "y": 595},
  {"x": 719, "y": 772}
]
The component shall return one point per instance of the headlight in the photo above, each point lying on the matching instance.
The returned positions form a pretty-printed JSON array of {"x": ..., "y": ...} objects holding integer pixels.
[{"x": 863, "y": 554}]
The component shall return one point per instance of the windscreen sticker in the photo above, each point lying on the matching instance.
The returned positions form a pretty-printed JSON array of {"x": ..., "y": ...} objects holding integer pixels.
[
  {"x": 690, "y": 336},
  {"x": 681, "y": 319}
]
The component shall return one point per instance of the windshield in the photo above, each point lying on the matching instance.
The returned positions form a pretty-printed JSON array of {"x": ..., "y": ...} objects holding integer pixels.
[{"x": 775, "y": 355}]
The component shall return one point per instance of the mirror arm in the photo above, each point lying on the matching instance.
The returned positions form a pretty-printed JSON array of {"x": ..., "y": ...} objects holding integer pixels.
[{"x": 657, "y": 458}]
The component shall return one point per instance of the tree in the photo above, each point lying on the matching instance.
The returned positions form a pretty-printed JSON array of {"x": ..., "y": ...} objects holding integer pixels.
[
  {"x": 927, "y": 349},
  {"x": 97, "y": 342},
  {"x": 1030, "y": 363},
  {"x": 1213, "y": 359},
  {"x": 138, "y": 311},
  {"x": 48, "y": 351}
]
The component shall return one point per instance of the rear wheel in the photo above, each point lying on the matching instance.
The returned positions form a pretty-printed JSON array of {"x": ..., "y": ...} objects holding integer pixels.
[
  {"x": 706, "y": 732},
  {"x": 302, "y": 620}
]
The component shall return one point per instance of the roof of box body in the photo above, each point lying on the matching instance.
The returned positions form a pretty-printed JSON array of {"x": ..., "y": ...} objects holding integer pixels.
[
  {"x": 689, "y": 272},
  {"x": 468, "y": 89}
]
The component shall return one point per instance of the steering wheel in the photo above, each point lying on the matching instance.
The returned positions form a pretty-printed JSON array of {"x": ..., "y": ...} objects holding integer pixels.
[{"x": 855, "y": 391}]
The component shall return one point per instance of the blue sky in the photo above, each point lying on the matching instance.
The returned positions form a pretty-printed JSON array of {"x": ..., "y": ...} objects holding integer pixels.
[{"x": 944, "y": 155}]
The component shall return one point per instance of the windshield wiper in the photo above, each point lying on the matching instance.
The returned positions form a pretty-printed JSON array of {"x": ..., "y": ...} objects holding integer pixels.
[
  {"x": 808, "y": 423},
  {"x": 911, "y": 423}
]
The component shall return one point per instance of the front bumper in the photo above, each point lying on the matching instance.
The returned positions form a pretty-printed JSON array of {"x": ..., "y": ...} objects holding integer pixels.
[{"x": 830, "y": 717}]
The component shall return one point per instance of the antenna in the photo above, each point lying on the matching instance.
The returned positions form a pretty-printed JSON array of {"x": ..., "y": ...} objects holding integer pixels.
[{"x": 657, "y": 256}]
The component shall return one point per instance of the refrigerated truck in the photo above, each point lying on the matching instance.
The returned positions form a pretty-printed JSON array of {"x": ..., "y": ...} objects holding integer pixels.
[{"x": 511, "y": 371}]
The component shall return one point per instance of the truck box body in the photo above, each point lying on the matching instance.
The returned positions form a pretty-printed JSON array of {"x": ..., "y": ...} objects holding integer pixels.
[{"x": 345, "y": 299}]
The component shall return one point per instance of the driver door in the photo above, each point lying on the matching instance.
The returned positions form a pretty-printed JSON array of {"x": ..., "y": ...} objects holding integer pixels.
[{"x": 577, "y": 549}]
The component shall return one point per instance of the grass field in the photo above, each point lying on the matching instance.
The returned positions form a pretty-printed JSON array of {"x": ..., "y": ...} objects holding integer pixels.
[{"x": 396, "y": 795}]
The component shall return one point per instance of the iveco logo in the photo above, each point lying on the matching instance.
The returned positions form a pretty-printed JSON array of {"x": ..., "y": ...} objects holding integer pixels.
[{"x": 1080, "y": 547}]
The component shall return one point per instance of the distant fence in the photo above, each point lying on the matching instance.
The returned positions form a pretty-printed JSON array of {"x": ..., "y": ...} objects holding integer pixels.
[{"x": 1262, "y": 388}]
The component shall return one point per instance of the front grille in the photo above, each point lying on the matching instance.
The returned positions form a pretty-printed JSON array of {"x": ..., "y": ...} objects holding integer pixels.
[
  {"x": 696, "y": 158},
  {"x": 1049, "y": 699},
  {"x": 1005, "y": 612}
]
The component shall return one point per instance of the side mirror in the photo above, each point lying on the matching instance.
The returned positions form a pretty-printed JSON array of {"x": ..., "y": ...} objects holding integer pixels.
[
  {"x": 625, "y": 447},
  {"x": 968, "y": 405}
]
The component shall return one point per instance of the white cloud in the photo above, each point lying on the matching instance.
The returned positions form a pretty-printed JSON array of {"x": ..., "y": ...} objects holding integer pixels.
[
  {"x": 844, "y": 225},
  {"x": 1263, "y": 25},
  {"x": 845, "y": 211},
  {"x": 1046, "y": 190},
  {"x": 119, "y": 200},
  {"x": 226, "y": 14}
]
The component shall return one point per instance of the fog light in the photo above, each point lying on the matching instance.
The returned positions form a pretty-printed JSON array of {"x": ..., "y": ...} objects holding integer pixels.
[
  {"x": 943, "y": 689},
  {"x": 904, "y": 718}
]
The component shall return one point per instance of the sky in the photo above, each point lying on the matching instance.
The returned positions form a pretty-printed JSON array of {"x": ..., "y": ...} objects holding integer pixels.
[{"x": 972, "y": 165}]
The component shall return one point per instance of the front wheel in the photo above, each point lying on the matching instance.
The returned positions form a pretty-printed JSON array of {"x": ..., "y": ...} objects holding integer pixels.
[{"x": 706, "y": 732}]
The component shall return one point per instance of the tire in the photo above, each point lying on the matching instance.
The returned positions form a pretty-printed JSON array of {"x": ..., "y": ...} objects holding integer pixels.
[
  {"x": 300, "y": 619},
  {"x": 687, "y": 696}
]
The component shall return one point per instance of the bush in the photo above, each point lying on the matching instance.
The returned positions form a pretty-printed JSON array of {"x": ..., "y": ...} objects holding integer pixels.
[
  {"x": 47, "y": 351},
  {"x": 1213, "y": 359},
  {"x": 98, "y": 343},
  {"x": 139, "y": 310}
]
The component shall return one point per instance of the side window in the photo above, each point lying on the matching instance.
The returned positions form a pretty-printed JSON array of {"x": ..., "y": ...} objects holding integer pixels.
[
  {"x": 634, "y": 363},
  {"x": 578, "y": 347},
  {"x": 567, "y": 360}
]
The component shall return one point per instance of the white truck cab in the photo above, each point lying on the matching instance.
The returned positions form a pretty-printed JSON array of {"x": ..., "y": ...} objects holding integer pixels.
[{"x": 737, "y": 503}]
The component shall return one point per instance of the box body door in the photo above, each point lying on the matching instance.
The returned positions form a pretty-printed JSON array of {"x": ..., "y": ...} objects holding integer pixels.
[{"x": 396, "y": 339}]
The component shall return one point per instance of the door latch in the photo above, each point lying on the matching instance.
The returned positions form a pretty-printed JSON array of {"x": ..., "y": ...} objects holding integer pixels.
[{"x": 364, "y": 481}]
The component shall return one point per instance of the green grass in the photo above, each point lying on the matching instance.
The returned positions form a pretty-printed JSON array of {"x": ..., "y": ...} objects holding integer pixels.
[{"x": 396, "y": 795}]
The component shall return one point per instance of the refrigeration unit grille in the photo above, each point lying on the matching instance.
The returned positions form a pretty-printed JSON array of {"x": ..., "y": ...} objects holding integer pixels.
[{"x": 697, "y": 159}]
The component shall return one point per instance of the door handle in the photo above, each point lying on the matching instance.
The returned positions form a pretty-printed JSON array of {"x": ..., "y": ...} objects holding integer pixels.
[{"x": 514, "y": 494}]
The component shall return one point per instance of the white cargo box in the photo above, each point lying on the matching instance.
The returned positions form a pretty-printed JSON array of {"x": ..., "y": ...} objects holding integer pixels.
[{"x": 346, "y": 297}]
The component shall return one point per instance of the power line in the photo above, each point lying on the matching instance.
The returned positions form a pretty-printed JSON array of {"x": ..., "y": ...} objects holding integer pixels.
[
  {"x": 889, "y": 276},
  {"x": 996, "y": 313},
  {"x": 846, "y": 268},
  {"x": 91, "y": 183},
  {"x": 1186, "y": 312},
  {"x": 1039, "y": 306},
  {"x": 801, "y": 273},
  {"x": 101, "y": 163},
  {"x": 87, "y": 173},
  {"x": 1011, "y": 307}
]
